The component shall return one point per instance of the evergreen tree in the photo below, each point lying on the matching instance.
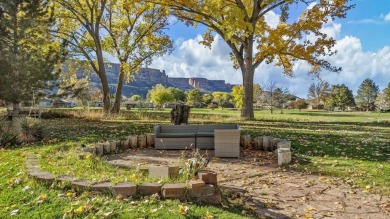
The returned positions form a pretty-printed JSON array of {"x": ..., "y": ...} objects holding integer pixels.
[
  {"x": 367, "y": 94},
  {"x": 341, "y": 96},
  {"x": 28, "y": 52}
]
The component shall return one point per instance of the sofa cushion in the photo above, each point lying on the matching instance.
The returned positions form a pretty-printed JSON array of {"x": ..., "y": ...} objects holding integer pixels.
[
  {"x": 176, "y": 135},
  {"x": 205, "y": 134},
  {"x": 178, "y": 129}
]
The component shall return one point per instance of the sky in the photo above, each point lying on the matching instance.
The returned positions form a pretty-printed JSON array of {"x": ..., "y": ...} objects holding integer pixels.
[{"x": 363, "y": 51}]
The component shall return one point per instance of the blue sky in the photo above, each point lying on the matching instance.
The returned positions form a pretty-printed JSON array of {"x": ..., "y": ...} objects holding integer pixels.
[{"x": 363, "y": 45}]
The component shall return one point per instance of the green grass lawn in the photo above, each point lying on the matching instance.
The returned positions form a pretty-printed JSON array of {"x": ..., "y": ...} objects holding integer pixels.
[{"x": 351, "y": 145}]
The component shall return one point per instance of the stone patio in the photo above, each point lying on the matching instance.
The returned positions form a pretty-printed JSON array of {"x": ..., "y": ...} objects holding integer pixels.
[{"x": 256, "y": 181}]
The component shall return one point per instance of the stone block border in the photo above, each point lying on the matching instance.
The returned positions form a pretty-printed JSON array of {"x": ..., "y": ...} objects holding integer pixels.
[
  {"x": 281, "y": 147},
  {"x": 198, "y": 191},
  {"x": 114, "y": 146}
]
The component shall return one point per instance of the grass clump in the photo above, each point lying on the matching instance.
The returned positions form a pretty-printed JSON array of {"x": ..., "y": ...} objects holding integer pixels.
[
  {"x": 7, "y": 136},
  {"x": 28, "y": 130}
]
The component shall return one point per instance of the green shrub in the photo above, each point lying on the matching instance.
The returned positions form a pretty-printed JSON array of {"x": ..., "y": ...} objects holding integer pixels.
[
  {"x": 28, "y": 130},
  {"x": 7, "y": 137}
]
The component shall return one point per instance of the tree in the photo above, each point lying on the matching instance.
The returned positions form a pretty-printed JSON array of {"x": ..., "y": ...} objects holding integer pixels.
[
  {"x": 178, "y": 95},
  {"x": 79, "y": 23},
  {"x": 135, "y": 36},
  {"x": 207, "y": 98},
  {"x": 382, "y": 101},
  {"x": 238, "y": 94},
  {"x": 300, "y": 104},
  {"x": 367, "y": 94},
  {"x": 319, "y": 92},
  {"x": 29, "y": 55},
  {"x": 340, "y": 96},
  {"x": 194, "y": 96},
  {"x": 135, "y": 97},
  {"x": 252, "y": 40},
  {"x": 160, "y": 95},
  {"x": 274, "y": 96},
  {"x": 130, "y": 30}
]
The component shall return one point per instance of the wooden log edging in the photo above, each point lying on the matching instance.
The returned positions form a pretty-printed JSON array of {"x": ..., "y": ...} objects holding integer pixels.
[{"x": 206, "y": 192}]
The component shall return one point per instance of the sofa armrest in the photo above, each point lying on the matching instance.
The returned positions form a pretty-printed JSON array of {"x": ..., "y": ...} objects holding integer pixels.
[{"x": 157, "y": 129}]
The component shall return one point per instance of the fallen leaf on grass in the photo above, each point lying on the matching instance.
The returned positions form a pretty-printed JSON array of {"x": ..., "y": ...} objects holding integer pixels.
[{"x": 14, "y": 212}]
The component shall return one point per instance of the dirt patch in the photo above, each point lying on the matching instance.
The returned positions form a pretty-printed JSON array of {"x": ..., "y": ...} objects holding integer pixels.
[{"x": 256, "y": 182}]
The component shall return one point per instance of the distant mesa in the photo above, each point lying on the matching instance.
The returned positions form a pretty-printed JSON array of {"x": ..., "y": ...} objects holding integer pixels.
[{"x": 149, "y": 77}]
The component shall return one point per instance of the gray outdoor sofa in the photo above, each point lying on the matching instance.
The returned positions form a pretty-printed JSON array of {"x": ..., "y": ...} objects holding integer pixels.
[{"x": 188, "y": 136}]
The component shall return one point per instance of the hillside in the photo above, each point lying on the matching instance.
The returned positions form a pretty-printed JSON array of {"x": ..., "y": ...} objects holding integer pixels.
[{"x": 148, "y": 77}]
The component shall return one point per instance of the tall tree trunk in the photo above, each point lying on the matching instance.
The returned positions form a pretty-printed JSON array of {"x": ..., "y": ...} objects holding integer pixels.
[
  {"x": 105, "y": 87},
  {"x": 248, "y": 72},
  {"x": 247, "y": 102},
  {"x": 15, "y": 110},
  {"x": 118, "y": 95}
]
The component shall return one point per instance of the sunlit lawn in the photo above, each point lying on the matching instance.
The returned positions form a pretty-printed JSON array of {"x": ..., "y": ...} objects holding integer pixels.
[{"x": 351, "y": 145}]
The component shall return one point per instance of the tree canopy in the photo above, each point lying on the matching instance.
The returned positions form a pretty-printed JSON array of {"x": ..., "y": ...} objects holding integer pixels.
[
  {"x": 252, "y": 40},
  {"x": 29, "y": 55},
  {"x": 367, "y": 94}
]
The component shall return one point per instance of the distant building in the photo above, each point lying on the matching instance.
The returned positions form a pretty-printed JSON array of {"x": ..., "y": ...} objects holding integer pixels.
[
  {"x": 63, "y": 104},
  {"x": 46, "y": 103}
]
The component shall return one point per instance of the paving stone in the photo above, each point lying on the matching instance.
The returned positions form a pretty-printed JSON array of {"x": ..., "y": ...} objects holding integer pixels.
[
  {"x": 106, "y": 148},
  {"x": 209, "y": 177},
  {"x": 113, "y": 146},
  {"x": 102, "y": 187},
  {"x": 292, "y": 193},
  {"x": 335, "y": 192},
  {"x": 215, "y": 199},
  {"x": 207, "y": 190},
  {"x": 99, "y": 149},
  {"x": 144, "y": 169},
  {"x": 45, "y": 177},
  {"x": 148, "y": 188},
  {"x": 80, "y": 185},
  {"x": 126, "y": 189},
  {"x": 65, "y": 179},
  {"x": 36, "y": 174},
  {"x": 283, "y": 144},
  {"x": 174, "y": 190},
  {"x": 163, "y": 171},
  {"x": 196, "y": 183}
]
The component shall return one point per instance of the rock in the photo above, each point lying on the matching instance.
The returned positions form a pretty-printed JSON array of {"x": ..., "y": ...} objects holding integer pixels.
[
  {"x": 258, "y": 143},
  {"x": 209, "y": 177},
  {"x": 284, "y": 156},
  {"x": 106, "y": 148},
  {"x": 150, "y": 188},
  {"x": 125, "y": 189},
  {"x": 113, "y": 146},
  {"x": 206, "y": 190},
  {"x": 102, "y": 187},
  {"x": 174, "y": 190},
  {"x": 196, "y": 183},
  {"x": 80, "y": 185},
  {"x": 134, "y": 141},
  {"x": 99, "y": 149},
  {"x": 267, "y": 143},
  {"x": 246, "y": 141},
  {"x": 215, "y": 199},
  {"x": 163, "y": 171},
  {"x": 149, "y": 140},
  {"x": 283, "y": 144},
  {"x": 141, "y": 141}
]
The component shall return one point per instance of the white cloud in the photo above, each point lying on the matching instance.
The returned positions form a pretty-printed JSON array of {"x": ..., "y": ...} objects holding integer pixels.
[
  {"x": 387, "y": 17},
  {"x": 272, "y": 19},
  {"x": 194, "y": 60}
]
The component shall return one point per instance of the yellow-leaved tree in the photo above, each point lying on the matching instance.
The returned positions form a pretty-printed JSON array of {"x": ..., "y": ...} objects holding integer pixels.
[
  {"x": 243, "y": 26},
  {"x": 130, "y": 30}
]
